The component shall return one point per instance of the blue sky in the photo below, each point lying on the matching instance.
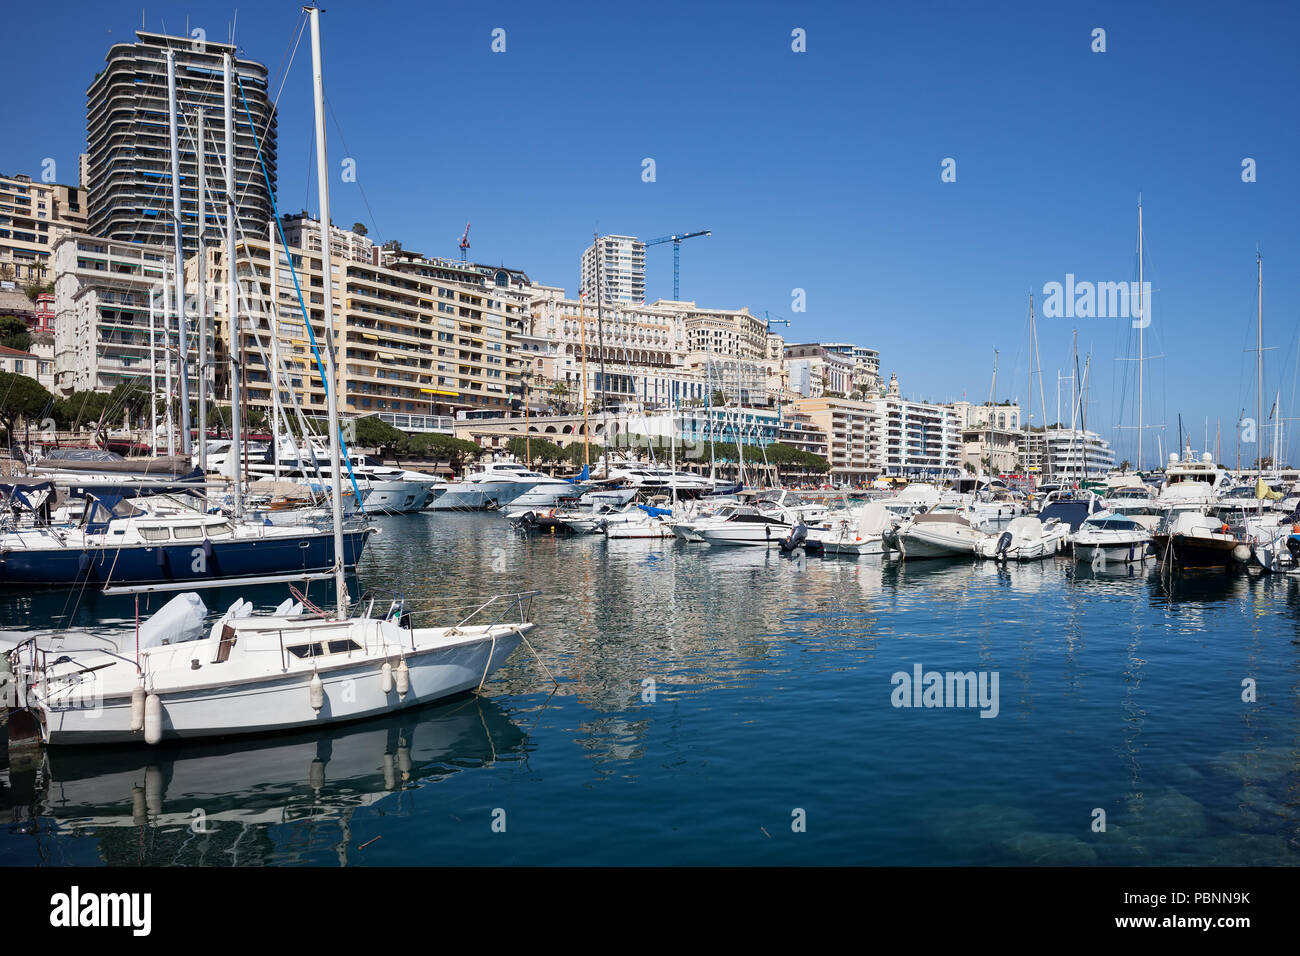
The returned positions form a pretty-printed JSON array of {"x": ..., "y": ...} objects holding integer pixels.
[{"x": 817, "y": 170}]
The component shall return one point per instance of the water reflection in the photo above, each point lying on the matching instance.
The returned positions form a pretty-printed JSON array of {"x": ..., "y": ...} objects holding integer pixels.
[{"x": 253, "y": 801}]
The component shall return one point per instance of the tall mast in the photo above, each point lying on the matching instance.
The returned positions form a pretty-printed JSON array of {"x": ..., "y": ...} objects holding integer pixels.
[
  {"x": 183, "y": 343},
  {"x": 582, "y": 338},
  {"x": 167, "y": 359},
  {"x": 202, "y": 157},
  {"x": 331, "y": 386},
  {"x": 273, "y": 321},
  {"x": 1141, "y": 333},
  {"x": 153, "y": 372},
  {"x": 993, "y": 397},
  {"x": 232, "y": 291},
  {"x": 1259, "y": 369},
  {"x": 600, "y": 330}
]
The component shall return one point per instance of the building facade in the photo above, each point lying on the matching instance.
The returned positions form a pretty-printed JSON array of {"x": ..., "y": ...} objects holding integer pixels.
[
  {"x": 849, "y": 427},
  {"x": 410, "y": 347},
  {"x": 33, "y": 217},
  {"x": 613, "y": 270},
  {"x": 128, "y": 159},
  {"x": 112, "y": 321}
]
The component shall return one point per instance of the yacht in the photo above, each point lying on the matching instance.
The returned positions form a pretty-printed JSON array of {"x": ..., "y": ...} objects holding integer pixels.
[
  {"x": 492, "y": 485},
  {"x": 1191, "y": 484},
  {"x": 384, "y": 489},
  {"x": 649, "y": 479}
]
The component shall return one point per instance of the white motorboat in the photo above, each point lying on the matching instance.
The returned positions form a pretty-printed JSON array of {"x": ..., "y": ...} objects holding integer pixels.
[
  {"x": 639, "y": 521},
  {"x": 1191, "y": 484},
  {"x": 942, "y": 532},
  {"x": 1109, "y": 536},
  {"x": 746, "y": 525},
  {"x": 493, "y": 485},
  {"x": 1026, "y": 538},
  {"x": 855, "y": 531}
]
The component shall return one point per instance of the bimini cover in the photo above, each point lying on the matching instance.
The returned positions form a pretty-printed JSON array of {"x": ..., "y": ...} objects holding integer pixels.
[
  {"x": 873, "y": 519},
  {"x": 654, "y": 512},
  {"x": 180, "y": 619}
]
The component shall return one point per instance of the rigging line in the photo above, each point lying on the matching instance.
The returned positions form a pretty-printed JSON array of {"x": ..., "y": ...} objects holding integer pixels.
[
  {"x": 331, "y": 388},
  {"x": 338, "y": 127}
]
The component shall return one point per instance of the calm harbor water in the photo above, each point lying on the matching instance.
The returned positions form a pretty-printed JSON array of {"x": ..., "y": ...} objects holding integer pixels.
[{"x": 734, "y": 706}]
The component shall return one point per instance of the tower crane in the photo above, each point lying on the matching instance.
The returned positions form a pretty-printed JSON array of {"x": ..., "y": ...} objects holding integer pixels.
[
  {"x": 677, "y": 255},
  {"x": 464, "y": 243}
]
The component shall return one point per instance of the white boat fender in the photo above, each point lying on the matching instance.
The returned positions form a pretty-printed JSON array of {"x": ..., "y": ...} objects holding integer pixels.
[
  {"x": 404, "y": 758},
  {"x": 153, "y": 791},
  {"x": 390, "y": 777},
  {"x": 1241, "y": 553},
  {"x": 139, "y": 813},
  {"x": 137, "y": 709},
  {"x": 402, "y": 678},
  {"x": 316, "y": 690},
  {"x": 386, "y": 678},
  {"x": 152, "y": 719}
]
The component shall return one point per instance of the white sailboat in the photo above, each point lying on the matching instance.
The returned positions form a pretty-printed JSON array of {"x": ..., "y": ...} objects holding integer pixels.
[{"x": 301, "y": 666}]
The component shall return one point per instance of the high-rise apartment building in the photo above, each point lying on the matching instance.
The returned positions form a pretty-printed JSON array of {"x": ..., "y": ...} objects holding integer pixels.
[
  {"x": 614, "y": 265},
  {"x": 128, "y": 162}
]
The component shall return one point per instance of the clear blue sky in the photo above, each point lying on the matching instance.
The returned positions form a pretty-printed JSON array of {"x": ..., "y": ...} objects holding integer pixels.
[{"x": 816, "y": 170}]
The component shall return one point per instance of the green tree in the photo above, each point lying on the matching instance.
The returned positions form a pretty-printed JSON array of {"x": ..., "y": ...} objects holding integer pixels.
[
  {"x": 434, "y": 447},
  {"x": 14, "y": 333},
  {"x": 373, "y": 432},
  {"x": 20, "y": 398},
  {"x": 359, "y": 228},
  {"x": 79, "y": 408},
  {"x": 133, "y": 396}
]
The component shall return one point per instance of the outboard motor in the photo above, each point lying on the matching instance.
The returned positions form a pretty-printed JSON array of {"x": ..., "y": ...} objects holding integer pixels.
[
  {"x": 1004, "y": 544},
  {"x": 1293, "y": 546},
  {"x": 795, "y": 539}
]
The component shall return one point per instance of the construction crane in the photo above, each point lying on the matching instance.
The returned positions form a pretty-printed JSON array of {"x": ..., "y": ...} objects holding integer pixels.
[
  {"x": 677, "y": 256},
  {"x": 767, "y": 317},
  {"x": 464, "y": 243}
]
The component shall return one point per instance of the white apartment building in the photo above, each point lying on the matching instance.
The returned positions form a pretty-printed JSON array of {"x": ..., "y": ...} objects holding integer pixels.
[
  {"x": 613, "y": 269},
  {"x": 814, "y": 370},
  {"x": 103, "y": 292},
  {"x": 915, "y": 439},
  {"x": 865, "y": 362},
  {"x": 302, "y": 231},
  {"x": 1063, "y": 454}
]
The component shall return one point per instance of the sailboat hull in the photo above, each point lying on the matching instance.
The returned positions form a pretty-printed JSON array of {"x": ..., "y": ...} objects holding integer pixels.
[
  {"x": 192, "y": 561},
  {"x": 351, "y": 691}
]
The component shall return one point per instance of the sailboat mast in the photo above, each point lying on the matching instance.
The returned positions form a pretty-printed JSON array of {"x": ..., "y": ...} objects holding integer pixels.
[
  {"x": 582, "y": 338},
  {"x": 1259, "y": 372},
  {"x": 1142, "y": 306},
  {"x": 202, "y": 403},
  {"x": 232, "y": 290},
  {"x": 274, "y": 323},
  {"x": 331, "y": 386},
  {"x": 183, "y": 343}
]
